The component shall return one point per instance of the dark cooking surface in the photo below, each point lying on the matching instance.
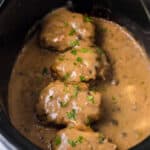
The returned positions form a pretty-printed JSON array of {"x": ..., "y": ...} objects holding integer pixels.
[{"x": 14, "y": 25}]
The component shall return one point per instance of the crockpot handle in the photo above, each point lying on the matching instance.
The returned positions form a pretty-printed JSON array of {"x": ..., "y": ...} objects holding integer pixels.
[
  {"x": 1, "y": 3},
  {"x": 145, "y": 7}
]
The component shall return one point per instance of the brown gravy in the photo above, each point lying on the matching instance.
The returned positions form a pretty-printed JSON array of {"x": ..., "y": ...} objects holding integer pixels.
[{"x": 126, "y": 101}]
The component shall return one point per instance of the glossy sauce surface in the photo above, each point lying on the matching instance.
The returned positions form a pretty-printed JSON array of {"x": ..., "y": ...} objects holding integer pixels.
[{"x": 125, "y": 101}]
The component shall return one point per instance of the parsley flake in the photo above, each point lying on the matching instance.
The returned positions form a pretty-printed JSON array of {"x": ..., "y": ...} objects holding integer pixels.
[
  {"x": 74, "y": 43},
  {"x": 101, "y": 138},
  {"x": 61, "y": 58},
  {"x": 57, "y": 140},
  {"x": 66, "y": 24},
  {"x": 79, "y": 59},
  {"x": 114, "y": 99},
  {"x": 80, "y": 139},
  {"x": 100, "y": 51},
  {"x": 90, "y": 98},
  {"x": 45, "y": 71},
  {"x": 82, "y": 78},
  {"x": 88, "y": 121},
  {"x": 63, "y": 104},
  {"x": 73, "y": 143},
  {"x": 72, "y": 32},
  {"x": 103, "y": 30},
  {"x": 66, "y": 76},
  {"x": 88, "y": 19},
  {"x": 84, "y": 50},
  {"x": 76, "y": 90},
  {"x": 74, "y": 52},
  {"x": 72, "y": 114}
]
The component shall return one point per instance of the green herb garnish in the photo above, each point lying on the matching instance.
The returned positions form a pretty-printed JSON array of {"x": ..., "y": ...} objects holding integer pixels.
[
  {"x": 66, "y": 89},
  {"x": 66, "y": 24},
  {"x": 51, "y": 97},
  {"x": 90, "y": 98},
  {"x": 88, "y": 19},
  {"x": 79, "y": 140},
  {"x": 114, "y": 99},
  {"x": 72, "y": 143},
  {"x": 88, "y": 121},
  {"x": 66, "y": 76},
  {"x": 39, "y": 79},
  {"x": 101, "y": 138},
  {"x": 76, "y": 91},
  {"x": 74, "y": 52},
  {"x": 82, "y": 78},
  {"x": 84, "y": 50},
  {"x": 63, "y": 104},
  {"x": 72, "y": 32},
  {"x": 60, "y": 58},
  {"x": 45, "y": 71},
  {"x": 103, "y": 30},
  {"x": 74, "y": 43},
  {"x": 57, "y": 140},
  {"x": 79, "y": 59},
  {"x": 100, "y": 51},
  {"x": 72, "y": 114}
]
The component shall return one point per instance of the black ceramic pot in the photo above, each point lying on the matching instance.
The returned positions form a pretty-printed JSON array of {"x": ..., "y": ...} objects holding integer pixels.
[{"x": 16, "y": 18}]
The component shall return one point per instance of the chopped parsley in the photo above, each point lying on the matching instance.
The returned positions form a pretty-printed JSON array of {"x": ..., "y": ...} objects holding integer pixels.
[
  {"x": 76, "y": 90},
  {"x": 103, "y": 30},
  {"x": 79, "y": 59},
  {"x": 84, "y": 50},
  {"x": 66, "y": 76},
  {"x": 114, "y": 99},
  {"x": 100, "y": 51},
  {"x": 66, "y": 89},
  {"x": 74, "y": 52},
  {"x": 72, "y": 32},
  {"x": 90, "y": 98},
  {"x": 88, "y": 121},
  {"x": 45, "y": 71},
  {"x": 63, "y": 104},
  {"x": 72, "y": 114},
  {"x": 57, "y": 140},
  {"x": 82, "y": 78},
  {"x": 39, "y": 79},
  {"x": 61, "y": 58},
  {"x": 51, "y": 97},
  {"x": 101, "y": 138},
  {"x": 73, "y": 143},
  {"x": 88, "y": 19},
  {"x": 66, "y": 24},
  {"x": 79, "y": 139},
  {"x": 74, "y": 43}
]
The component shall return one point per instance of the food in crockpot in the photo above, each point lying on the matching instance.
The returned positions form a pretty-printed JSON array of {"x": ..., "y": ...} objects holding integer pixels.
[
  {"x": 63, "y": 29},
  {"x": 124, "y": 105},
  {"x": 73, "y": 139},
  {"x": 77, "y": 65},
  {"x": 64, "y": 103}
]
